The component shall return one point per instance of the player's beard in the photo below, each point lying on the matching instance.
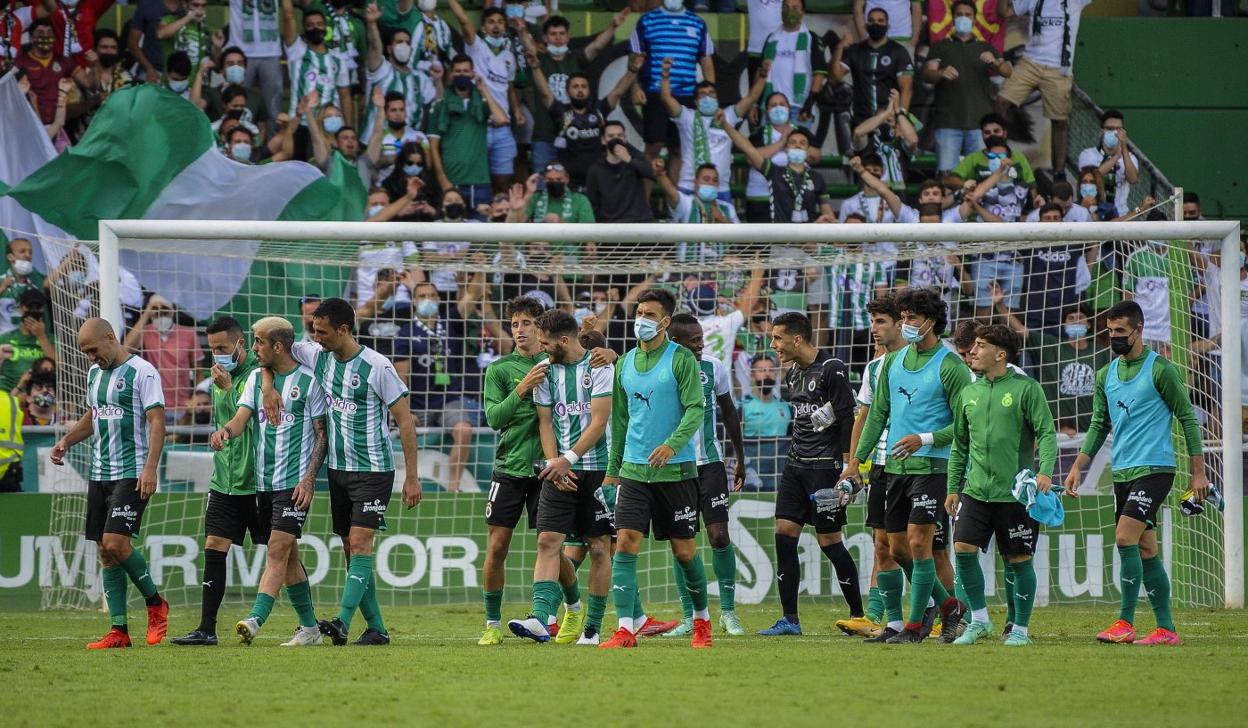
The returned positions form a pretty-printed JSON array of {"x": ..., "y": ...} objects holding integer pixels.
[{"x": 557, "y": 355}]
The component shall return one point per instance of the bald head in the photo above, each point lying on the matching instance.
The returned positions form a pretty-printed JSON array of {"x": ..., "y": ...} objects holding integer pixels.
[{"x": 98, "y": 342}]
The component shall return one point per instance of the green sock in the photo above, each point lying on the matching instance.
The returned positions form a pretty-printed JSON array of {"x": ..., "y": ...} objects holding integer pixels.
[
  {"x": 136, "y": 566},
  {"x": 494, "y": 606},
  {"x": 939, "y": 592},
  {"x": 1010, "y": 578},
  {"x": 1024, "y": 592},
  {"x": 624, "y": 584},
  {"x": 545, "y": 599},
  {"x": 300, "y": 596},
  {"x": 1129, "y": 581},
  {"x": 263, "y": 607},
  {"x": 907, "y": 567},
  {"x": 571, "y": 593},
  {"x": 1157, "y": 585},
  {"x": 724, "y": 563},
  {"x": 357, "y": 583},
  {"x": 682, "y": 589},
  {"x": 639, "y": 610},
  {"x": 959, "y": 591},
  {"x": 115, "y": 586},
  {"x": 695, "y": 582},
  {"x": 597, "y": 608},
  {"x": 889, "y": 584},
  {"x": 369, "y": 607},
  {"x": 921, "y": 582},
  {"x": 576, "y": 563},
  {"x": 875, "y": 604},
  {"x": 972, "y": 578}
]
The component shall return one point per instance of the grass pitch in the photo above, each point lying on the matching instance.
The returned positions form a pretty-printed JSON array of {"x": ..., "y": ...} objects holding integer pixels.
[{"x": 435, "y": 674}]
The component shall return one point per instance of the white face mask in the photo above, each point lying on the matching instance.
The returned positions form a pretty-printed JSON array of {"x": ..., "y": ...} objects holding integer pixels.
[
  {"x": 673, "y": 6},
  {"x": 428, "y": 6},
  {"x": 402, "y": 52},
  {"x": 23, "y": 267},
  {"x": 164, "y": 324}
]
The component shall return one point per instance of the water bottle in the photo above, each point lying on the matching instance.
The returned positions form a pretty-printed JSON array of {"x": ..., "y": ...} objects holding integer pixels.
[{"x": 838, "y": 496}]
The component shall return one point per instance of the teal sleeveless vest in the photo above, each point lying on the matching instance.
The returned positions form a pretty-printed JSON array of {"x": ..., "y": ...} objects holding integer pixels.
[
  {"x": 1140, "y": 418},
  {"x": 917, "y": 402},
  {"x": 653, "y": 408}
]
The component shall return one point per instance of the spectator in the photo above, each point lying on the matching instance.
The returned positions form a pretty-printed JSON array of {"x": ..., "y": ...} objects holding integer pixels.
[
  {"x": 705, "y": 206},
  {"x": 557, "y": 203},
  {"x": 974, "y": 166},
  {"x": 850, "y": 287},
  {"x": 798, "y": 194},
  {"x": 1048, "y": 60},
  {"x": 342, "y": 141},
  {"x": 1062, "y": 195},
  {"x": 397, "y": 185},
  {"x": 578, "y": 124},
  {"x": 875, "y": 65},
  {"x": 314, "y": 70},
  {"x": 493, "y": 58},
  {"x": 390, "y": 69},
  {"x": 961, "y": 66},
  {"x": 990, "y": 16},
  {"x": 1092, "y": 195},
  {"x": 1003, "y": 198},
  {"x": 765, "y": 18},
  {"x": 1119, "y": 168},
  {"x": 196, "y": 418},
  {"x": 30, "y": 341},
  {"x": 763, "y": 414},
  {"x": 44, "y": 69},
  {"x": 39, "y": 399},
  {"x": 799, "y": 62},
  {"x": 11, "y": 444},
  {"x": 217, "y": 100},
  {"x": 254, "y": 33},
  {"x": 905, "y": 19},
  {"x": 308, "y": 303},
  {"x": 770, "y": 139},
  {"x": 171, "y": 347},
  {"x": 178, "y": 72},
  {"x": 144, "y": 41},
  {"x": 1057, "y": 275},
  {"x": 346, "y": 35},
  {"x": 720, "y": 316},
  {"x": 867, "y": 202},
  {"x": 557, "y": 63},
  {"x": 454, "y": 209},
  {"x": 19, "y": 278},
  {"x": 458, "y": 133},
  {"x": 891, "y": 136},
  {"x": 105, "y": 73},
  {"x": 616, "y": 183},
  {"x": 1147, "y": 280},
  {"x": 1007, "y": 197},
  {"x": 187, "y": 31},
  {"x": 231, "y": 102},
  {"x": 397, "y": 135},
  {"x": 385, "y": 304},
  {"x": 670, "y": 32},
  {"x": 1191, "y": 206},
  {"x": 703, "y": 139}
]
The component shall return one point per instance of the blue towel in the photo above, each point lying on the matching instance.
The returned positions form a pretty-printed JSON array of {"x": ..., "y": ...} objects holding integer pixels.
[{"x": 1045, "y": 508}]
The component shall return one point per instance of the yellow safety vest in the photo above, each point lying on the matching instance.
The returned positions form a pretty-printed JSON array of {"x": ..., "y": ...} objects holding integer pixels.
[{"x": 11, "y": 445}]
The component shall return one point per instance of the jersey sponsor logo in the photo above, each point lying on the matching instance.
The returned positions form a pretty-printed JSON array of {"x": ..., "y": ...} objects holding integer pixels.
[
  {"x": 292, "y": 512},
  {"x": 1019, "y": 533},
  {"x": 1007, "y": 400},
  {"x": 805, "y": 409},
  {"x": 125, "y": 512},
  {"x": 342, "y": 405},
  {"x": 720, "y": 501},
  {"x": 1077, "y": 380},
  {"x": 687, "y": 514},
  {"x": 572, "y": 408},
  {"x": 283, "y": 418},
  {"x": 924, "y": 502},
  {"x": 645, "y": 398},
  {"x": 108, "y": 412},
  {"x": 1142, "y": 499},
  {"x": 374, "y": 506}
]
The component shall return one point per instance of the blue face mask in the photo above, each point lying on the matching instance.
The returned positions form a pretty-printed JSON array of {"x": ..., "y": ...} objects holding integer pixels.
[
  {"x": 332, "y": 124},
  {"x": 554, "y": 50},
  {"x": 912, "y": 334},
  {"x": 706, "y": 193},
  {"x": 1087, "y": 191},
  {"x": 708, "y": 105},
  {"x": 235, "y": 74},
  {"x": 994, "y": 164},
  {"x": 962, "y": 25},
  {"x": 226, "y": 361},
  {"x": 778, "y": 115},
  {"x": 514, "y": 11},
  {"x": 797, "y": 155},
  {"x": 412, "y": 170},
  {"x": 427, "y": 308},
  {"x": 645, "y": 329},
  {"x": 1075, "y": 331},
  {"x": 241, "y": 152},
  {"x": 1109, "y": 139}
]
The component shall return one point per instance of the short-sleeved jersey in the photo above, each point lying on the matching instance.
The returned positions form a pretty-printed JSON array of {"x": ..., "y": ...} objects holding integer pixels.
[
  {"x": 254, "y": 28},
  {"x": 683, "y": 37},
  {"x": 312, "y": 71},
  {"x": 283, "y": 451},
  {"x": 713, "y": 376},
  {"x": 359, "y": 394},
  {"x": 865, "y": 392},
  {"x": 119, "y": 399},
  {"x": 569, "y": 391},
  {"x": 497, "y": 66},
  {"x": 875, "y": 72},
  {"x": 807, "y": 390},
  {"x": 417, "y": 89}
]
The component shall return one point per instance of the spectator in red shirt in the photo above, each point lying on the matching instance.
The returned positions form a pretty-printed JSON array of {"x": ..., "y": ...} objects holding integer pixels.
[
  {"x": 990, "y": 16},
  {"x": 44, "y": 68},
  {"x": 170, "y": 346}
]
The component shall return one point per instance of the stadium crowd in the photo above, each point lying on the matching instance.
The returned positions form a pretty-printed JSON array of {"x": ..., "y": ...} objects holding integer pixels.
[{"x": 492, "y": 118}]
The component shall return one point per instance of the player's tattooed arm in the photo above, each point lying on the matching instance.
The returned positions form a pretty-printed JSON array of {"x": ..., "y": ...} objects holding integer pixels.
[{"x": 307, "y": 484}]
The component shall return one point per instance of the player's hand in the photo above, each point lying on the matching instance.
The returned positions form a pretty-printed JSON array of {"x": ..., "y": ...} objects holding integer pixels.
[
  {"x": 601, "y": 357},
  {"x": 220, "y": 377},
  {"x": 611, "y": 480},
  {"x": 661, "y": 455},
  {"x": 1200, "y": 487},
  {"x": 533, "y": 378},
  {"x": 1044, "y": 483},
  {"x": 1072, "y": 483},
  {"x": 147, "y": 481},
  {"x": 851, "y": 471},
  {"x": 302, "y": 494},
  {"x": 951, "y": 505},
  {"x": 567, "y": 483},
  {"x": 271, "y": 400},
  {"x": 738, "y": 475},
  {"x": 556, "y": 469},
  {"x": 59, "y": 450},
  {"x": 218, "y": 439},
  {"x": 906, "y": 447},
  {"x": 411, "y": 490}
]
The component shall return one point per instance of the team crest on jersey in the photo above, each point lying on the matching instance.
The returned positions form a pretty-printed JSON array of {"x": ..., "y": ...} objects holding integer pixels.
[
  {"x": 1007, "y": 400},
  {"x": 355, "y": 380},
  {"x": 886, "y": 61},
  {"x": 703, "y": 378},
  {"x": 810, "y": 386},
  {"x": 586, "y": 380},
  {"x": 120, "y": 385},
  {"x": 295, "y": 393}
]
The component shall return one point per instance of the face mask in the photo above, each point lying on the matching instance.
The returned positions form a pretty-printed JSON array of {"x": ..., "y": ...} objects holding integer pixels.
[
  {"x": 23, "y": 267},
  {"x": 581, "y": 314},
  {"x": 427, "y": 308},
  {"x": 453, "y": 211},
  {"x": 108, "y": 60},
  {"x": 402, "y": 52},
  {"x": 514, "y": 11},
  {"x": 645, "y": 329},
  {"x": 498, "y": 218},
  {"x": 43, "y": 400},
  {"x": 241, "y": 152},
  {"x": 234, "y": 74},
  {"x": 1109, "y": 139},
  {"x": 708, "y": 105},
  {"x": 778, "y": 115},
  {"x": 962, "y": 25},
  {"x": 315, "y": 37},
  {"x": 493, "y": 42},
  {"x": 164, "y": 324},
  {"x": 372, "y": 211},
  {"x": 600, "y": 308},
  {"x": 332, "y": 124},
  {"x": 912, "y": 334},
  {"x": 226, "y": 361},
  {"x": 1087, "y": 190},
  {"x": 1075, "y": 331},
  {"x": 179, "y": 86},
  {"x": 994, "y": 164},
  {"x": 706, "y": 193},
  {"x": 203, "y": 418},
  {"x": 673, "y": 6},
  {"x": 555, "y": 50},
  {"x": 791, "y": 17},
  {"x": 797, "y": 155},
  {"x": 556, "y": 189},
  {"x": 395, "y": 125},
  {"x": 428, "y": 6},
  {"x": 1120, "y": 345},
  {"x": 765, "y": 383},
  {"x": 462, "y": 83},
  {"x": 877, "y": 32},
  {"x": 412, "y": 170}
]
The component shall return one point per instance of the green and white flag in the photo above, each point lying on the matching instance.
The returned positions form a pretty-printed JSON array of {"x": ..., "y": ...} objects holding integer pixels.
[{"x": 149, "y": 154}]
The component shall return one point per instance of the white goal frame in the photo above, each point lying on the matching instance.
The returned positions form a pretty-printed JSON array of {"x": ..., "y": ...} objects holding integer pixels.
[{"x": 161, "y": 232}]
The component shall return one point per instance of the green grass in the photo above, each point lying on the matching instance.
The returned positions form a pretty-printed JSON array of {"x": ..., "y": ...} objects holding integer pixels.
[{"x": 434, "y": 674}]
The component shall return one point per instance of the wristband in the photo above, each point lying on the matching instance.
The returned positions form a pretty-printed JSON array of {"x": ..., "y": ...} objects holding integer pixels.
[
  {"x": 571, "y": 456},
  {"x": 927, "y": 438}
]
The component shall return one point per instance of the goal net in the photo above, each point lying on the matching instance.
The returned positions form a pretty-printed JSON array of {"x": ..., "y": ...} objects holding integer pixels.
[{"x": 1050, "y": 281}]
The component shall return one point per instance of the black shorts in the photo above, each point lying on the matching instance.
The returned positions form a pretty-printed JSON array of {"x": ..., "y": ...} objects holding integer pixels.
[
  {"x": 978, "y": 521},
  {"x": 918, "y": 500},
  {"x": 509, "y": 495},
  {"x": 235, "y": 516},
  {"x": 113, "y": 506},
  {"x": 1142, "y": 498},
  {"x": 713, "y": 493},
  {"x": 877, "y": 500},
  {"x": 793, "y": 501},
  {"x": 656, "y": 123},
  {"x": 278, "y": 508},
  {"x": 672, "y": 508},
  {"x": 359, "y": 499},
  {"x": 584, "y": 513}
]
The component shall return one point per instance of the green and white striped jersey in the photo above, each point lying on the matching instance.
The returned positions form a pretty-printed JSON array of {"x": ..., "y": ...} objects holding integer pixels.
[
  {"x": 865, "y": 393},
  {"x": 715, "y": 381},
  {"x": 569, "y": 390},
  {"x": 119, "y": 399},
  {"x": 282, "y": 452},
  {"x": 359, "y": 393}
]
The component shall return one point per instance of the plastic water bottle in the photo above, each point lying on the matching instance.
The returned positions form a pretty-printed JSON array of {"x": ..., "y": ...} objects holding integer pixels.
[{"x": 837, "y": 496}]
